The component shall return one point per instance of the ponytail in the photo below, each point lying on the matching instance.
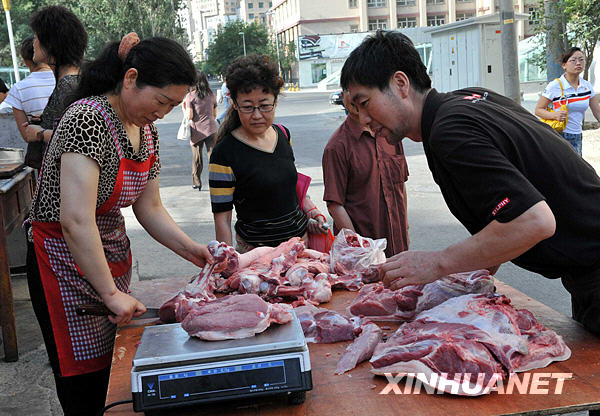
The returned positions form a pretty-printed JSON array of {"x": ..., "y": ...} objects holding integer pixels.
[
  {"x": 103, "y": 75},
  {"x": 230, "y": 123},
  {"x": 159, "y": 61}
]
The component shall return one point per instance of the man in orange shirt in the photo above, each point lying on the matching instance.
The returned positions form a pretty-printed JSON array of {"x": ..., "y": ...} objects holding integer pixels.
[{"x": 364, "y": 183}]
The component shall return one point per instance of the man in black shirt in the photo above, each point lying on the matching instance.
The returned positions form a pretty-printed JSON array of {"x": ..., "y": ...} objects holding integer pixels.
[{"x": 522, "y": 192}]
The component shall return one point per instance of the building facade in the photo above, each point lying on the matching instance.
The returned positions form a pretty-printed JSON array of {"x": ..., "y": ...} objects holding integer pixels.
[
  {"x": 205, "y": 18},
  {"x": 294, "y": 18}
]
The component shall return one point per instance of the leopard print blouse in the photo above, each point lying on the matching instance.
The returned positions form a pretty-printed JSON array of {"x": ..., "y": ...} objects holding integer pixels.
[{"x": 83, "y": 130}]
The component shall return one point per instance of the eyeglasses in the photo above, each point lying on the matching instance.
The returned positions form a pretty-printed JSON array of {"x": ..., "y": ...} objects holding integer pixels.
[
  {"x": 263, "y": 108},
  {"x": 576, "y": 60}
]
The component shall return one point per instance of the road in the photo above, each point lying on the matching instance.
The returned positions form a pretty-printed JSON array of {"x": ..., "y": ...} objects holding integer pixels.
[{"x": 311, "y": 120}]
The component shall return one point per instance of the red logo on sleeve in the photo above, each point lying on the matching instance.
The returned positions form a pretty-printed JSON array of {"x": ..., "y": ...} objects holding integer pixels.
[{"x": 501, "y": 205}]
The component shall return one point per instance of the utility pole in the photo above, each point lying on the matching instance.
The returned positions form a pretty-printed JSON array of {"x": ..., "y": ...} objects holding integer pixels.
[
  {"x": 510, "y": 57},
  {"x": 11, "y": 40}
]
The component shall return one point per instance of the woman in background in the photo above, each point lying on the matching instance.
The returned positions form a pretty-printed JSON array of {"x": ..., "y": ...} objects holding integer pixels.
[
  {"x": 578, "y": 93},
  {"x": 252, "y": 165},
  {"x": 59, "y": 41},
  {"x": 200, "y": 107}
]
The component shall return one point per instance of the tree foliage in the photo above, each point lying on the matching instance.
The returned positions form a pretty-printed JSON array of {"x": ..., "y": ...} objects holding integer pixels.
[
  {"x": 104, "y": 20},
  {"x": 228, "y": 45},
  {"x": 572, "y": 23}
]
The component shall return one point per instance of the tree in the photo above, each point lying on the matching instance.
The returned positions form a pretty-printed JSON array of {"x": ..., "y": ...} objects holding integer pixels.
[
  {"x": 228, "y": 44},
  {"x": 583, "y": 29},
  {"x": 571, "y": 22},
  {"x": 104, "y": 20},
  {"x": 288, "y": 60}
]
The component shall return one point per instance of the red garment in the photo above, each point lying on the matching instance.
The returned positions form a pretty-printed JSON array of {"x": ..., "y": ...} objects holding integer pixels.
[
  {"x": 366, "y": 176},
  {"x": 84, "y": 343}
]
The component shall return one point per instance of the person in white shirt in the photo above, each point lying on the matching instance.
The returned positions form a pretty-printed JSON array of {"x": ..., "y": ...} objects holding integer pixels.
[
  {"x": 578, "y": 93},
  {"x": 29, "y": 96}
]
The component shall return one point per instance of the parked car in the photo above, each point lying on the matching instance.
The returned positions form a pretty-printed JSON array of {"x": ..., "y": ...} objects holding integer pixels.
[{"x": 336, "y": 98}]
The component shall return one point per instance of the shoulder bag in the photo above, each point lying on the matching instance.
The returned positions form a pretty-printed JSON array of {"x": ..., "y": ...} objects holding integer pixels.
[{"x": 558, "y": 125}]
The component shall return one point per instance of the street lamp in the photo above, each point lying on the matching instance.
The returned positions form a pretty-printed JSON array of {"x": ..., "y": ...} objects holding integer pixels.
[
  {"x": 243, "y": 40},
  {"x": 271, "y": 13}
]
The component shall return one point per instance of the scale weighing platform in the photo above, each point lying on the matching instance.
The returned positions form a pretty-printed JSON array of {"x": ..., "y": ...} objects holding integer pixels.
[{"x": 170, "y": 368}]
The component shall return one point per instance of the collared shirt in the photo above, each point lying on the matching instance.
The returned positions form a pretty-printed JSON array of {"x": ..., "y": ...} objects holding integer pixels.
[
  {"x": 366, "y": 176},
  {"x": 493, "y": 160},
  {"x": 578, "y": 100},
  {"x": 30, "y": 95}
]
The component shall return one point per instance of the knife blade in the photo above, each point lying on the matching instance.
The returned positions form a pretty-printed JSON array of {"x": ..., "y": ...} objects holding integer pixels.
[{"x": 101, "y": 310}]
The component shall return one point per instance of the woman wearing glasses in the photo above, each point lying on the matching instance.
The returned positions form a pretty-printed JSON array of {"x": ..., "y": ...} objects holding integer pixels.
[
  {"x": 252, "y": 165},
  {"x": 578, "y": 93}
]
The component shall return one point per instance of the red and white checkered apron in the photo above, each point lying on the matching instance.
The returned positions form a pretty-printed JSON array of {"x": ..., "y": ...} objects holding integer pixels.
[{"x": 84, "y": 343}]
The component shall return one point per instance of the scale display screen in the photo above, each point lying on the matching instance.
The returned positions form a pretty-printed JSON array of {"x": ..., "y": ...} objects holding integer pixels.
[
  {"x": 223, "y": 378},
  {"x": 209, "y": 384}
]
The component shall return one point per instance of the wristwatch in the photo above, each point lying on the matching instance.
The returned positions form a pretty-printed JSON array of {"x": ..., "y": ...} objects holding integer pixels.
[{"x": 40, "y": 135}]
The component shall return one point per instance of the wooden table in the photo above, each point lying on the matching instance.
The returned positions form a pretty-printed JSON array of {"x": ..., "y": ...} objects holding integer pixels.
[
  {"x": 357, "y": 392},
  {"x": 15, "y": 201}
]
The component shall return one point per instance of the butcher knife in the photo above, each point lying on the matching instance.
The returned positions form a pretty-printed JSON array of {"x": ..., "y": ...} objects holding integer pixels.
[{"x": 101, "y": 310}]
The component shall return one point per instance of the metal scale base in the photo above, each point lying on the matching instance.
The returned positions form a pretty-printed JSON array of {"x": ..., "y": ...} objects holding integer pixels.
[{"x": 170, "y": 368}]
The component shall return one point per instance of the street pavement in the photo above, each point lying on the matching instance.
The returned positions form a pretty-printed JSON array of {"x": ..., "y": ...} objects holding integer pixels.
[{"x": 27, "y": 386}]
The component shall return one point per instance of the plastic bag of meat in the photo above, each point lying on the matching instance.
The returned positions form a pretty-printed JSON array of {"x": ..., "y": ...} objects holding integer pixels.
[{"x": 352, "y": 253}]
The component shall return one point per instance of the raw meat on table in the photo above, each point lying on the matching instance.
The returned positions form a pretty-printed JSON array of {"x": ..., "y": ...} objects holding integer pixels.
[
  {"x": 361, "y": 349},
  {"x": 234, "y": 317},
  {"x": 322, "y": 325},
  {"x": 382, "y": 304},
  {"x": 476, "y": 334}
]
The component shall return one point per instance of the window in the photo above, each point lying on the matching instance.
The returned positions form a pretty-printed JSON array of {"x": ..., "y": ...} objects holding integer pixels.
[
  {"x": 436, "y": 20},
  {"x": 251, "y": 16},
  {"x": 465, "y": 1},
  {"x": 406, "y": 3},
  {"x": 436, "y": 1},
  {"x": 251, "y": 5},
  {"x": 353, "y": 28},
  {"x": 353, "y": 4},
  {"x": 376, "y": 24},
  {"x": 375, "y": 3},
  {"x": 534, "y": 16},
  {"x": 261, "y": 5},
  {"x": 407, "y": 22},
  {"x": 464, "y": 16}
]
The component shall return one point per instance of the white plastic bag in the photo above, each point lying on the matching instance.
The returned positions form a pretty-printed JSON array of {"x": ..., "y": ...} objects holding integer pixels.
[
  {"x": 185, "y": 132},
  {"x": 352, "y": 253}
]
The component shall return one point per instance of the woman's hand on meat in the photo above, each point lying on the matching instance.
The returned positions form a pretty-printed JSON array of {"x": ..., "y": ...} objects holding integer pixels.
[
  {"x": 199, "y": 255},
  {"x": 410, "y": 268},
  {"x": 123, "y": 306}
]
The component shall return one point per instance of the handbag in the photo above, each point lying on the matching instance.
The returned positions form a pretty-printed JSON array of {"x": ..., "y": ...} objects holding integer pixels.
[
  {"x": 184, "y": 132},
  {"x": 34, "y": 154},
  {"x": 558, "y": 125}
]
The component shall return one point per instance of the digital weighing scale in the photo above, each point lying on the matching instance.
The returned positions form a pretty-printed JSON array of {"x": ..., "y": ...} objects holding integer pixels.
[{"x": 170, "y": 368}]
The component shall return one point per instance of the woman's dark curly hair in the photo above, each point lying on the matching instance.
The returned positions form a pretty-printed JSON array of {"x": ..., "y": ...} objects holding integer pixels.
[
  {"x": 61, "y": 34},
  {"x": 244, "y": 75}
]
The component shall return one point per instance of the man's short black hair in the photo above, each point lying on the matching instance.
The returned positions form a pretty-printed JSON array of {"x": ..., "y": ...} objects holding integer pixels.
[{"x": 378, "y": 57}]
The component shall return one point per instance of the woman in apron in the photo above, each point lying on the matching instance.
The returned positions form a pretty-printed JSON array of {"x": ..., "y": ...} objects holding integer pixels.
[{"x": 103, "y": 156}]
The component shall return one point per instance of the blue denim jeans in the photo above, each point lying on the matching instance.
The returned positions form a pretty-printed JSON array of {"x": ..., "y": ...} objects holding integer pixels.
[{"x": 575, "y": 140}]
